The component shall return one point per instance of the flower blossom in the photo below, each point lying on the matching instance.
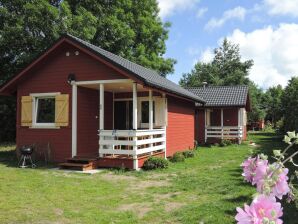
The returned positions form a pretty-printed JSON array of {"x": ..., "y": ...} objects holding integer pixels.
[
  {"x": 275, "y": 182},
  {"x": 263, "y": 210},
  {"x": 254, "y": 169}
]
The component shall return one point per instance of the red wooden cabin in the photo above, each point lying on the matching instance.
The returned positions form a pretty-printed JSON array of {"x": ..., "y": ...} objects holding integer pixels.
[
  {"x": 89, "y": 103},
  {"x": 224, "y": 114}
]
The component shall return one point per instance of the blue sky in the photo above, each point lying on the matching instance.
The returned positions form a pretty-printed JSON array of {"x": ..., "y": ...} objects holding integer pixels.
[{"x": 266, "y": 31}]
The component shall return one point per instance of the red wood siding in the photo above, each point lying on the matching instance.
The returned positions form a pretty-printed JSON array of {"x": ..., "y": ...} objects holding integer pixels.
[
  {"x": 51, "y": 76},
  {"x": 181, "y": 123},
  {"x": 230, "y": 117},
  {"x": 200, "y": 126},
  {"x": 115, "y": 162}
]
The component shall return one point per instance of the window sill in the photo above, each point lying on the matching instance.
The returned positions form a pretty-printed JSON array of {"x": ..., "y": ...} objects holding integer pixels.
[{"x": 44, "y": 127}]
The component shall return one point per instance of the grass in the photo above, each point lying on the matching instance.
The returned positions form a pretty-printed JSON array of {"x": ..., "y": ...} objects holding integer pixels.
[{"x": 204, "y": 189}]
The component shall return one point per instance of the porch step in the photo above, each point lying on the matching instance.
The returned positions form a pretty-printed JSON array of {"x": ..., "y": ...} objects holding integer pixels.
[
  {"x": 81, "y": 160},
  {"x": 79, "y": 163},
  {"x": 76, "y": 166}
]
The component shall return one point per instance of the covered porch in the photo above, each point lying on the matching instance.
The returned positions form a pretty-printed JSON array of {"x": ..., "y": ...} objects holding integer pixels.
[
  {"x": 225, "y": 123},
  {"x": 131, "y": 121}
]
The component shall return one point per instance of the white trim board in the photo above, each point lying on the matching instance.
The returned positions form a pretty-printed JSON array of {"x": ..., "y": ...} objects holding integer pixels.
[{"x": 103, "y": 81}]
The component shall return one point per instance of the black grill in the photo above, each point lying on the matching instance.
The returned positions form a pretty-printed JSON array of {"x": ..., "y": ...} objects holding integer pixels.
[{"x": 26, "y": 152}]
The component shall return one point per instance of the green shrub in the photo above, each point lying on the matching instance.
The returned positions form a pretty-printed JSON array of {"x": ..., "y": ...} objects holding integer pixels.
[
  {"x": 155, "y": 163},
  {"x": 178, "y": 157},
  {"x": 225, "y": 142},
  {"x": 188, "y": 154},
  {"x": 216, "y": 144}
]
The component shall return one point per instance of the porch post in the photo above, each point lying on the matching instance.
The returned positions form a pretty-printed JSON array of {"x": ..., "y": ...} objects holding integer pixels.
[
  {"x": 239, "y": 125},
  {"x": 165, "y": 124},
  {"x": 101, "y": 114},
  {"x": 135, "y": 123},
  {"x": 221, "y": 113},
  {"x": 74, "y": 120},
  {"x": 205, "y": 125},
  {"x": 150, "y": 116},
  {"x": 150, "y": 110},
  {"x": 135, "y": 106},
  {"x": 101, "y": 106}
]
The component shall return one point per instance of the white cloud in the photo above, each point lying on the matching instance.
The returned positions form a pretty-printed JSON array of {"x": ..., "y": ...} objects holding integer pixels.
[
  {"x": 235, "y": 13},
  {"x": 207, "y": 55},
  {"x": 169, "y": 7},
  {"x": 201, "y": 12},
  {"x": 282, "y": 7},
  {"x": 274, "y": 51}
]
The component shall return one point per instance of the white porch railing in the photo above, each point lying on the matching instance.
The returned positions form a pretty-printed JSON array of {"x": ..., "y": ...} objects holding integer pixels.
[
  {"x": 131, "y": 142},
  {"x": 225, "y": 132}
]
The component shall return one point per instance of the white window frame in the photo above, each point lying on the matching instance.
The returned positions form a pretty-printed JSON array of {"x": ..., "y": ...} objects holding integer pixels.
[{"x": 36, "y": 97}]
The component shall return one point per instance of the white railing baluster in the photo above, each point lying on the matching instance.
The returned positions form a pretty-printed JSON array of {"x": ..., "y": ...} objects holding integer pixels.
[
  {"x": 132, "y": 142},
  {"x": 227, "y": 132}
]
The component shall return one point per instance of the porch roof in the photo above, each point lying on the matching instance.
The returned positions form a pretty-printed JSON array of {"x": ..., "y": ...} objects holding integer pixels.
[{"x": 223, "y": 96}]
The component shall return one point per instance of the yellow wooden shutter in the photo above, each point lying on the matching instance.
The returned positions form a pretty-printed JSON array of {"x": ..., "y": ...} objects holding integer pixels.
[
  {"x": 62, "y": 110},
  {"x": 26, "y": 113},
  {"x": 160, "y": 112}
]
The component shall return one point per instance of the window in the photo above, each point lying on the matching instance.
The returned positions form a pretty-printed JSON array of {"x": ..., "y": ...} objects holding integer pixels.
[
  {"x": 145, "y": 112},
  {"x": 45, "y": 110}
]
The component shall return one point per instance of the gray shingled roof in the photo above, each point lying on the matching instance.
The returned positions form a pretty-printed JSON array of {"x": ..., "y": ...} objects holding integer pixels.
[
  {"x": 148, "y": 76},
  {"x": 216, "y": 96}
]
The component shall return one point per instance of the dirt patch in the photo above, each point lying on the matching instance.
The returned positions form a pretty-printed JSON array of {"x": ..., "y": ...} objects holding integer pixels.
[
  {"x": 58, "y": 211},
  {"x": 140, "y": 209},
  {"x": 114, "y": 178},
  {"x": 172, "y": 206},
  {"x": 163, "y": 197},
  {"x": 151, "y": 183},
  {"x": 214, "y": 167}
]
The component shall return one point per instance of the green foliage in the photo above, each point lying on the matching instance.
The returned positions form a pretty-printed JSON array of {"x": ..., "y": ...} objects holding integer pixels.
[
  {"x": 7, "y": 119},
  {"x": 256, "y": 99},
  {"x": 177, "y": 157},
  {"x": 225, "y": 142},
  {"x": 280, "y": 124},
  {"x": 226, "y": 68},
  {"x": 155, "y": 163},
  {"x": 188, "y": 154},
  {"x": 273, "y": 104},
  {"x": 290, "y": 105}
]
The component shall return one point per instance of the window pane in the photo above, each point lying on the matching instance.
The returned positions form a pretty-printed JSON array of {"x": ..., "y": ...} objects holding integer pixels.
[
  {"x": 45, "y": 110},
  {"x": 145, "y": 112}
]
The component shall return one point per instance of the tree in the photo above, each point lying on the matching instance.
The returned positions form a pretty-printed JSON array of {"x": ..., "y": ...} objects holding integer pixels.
[
  {"x": 257, "y": 103},
  {"x": 290, "y": 105},
  {"x": 273, "y": 104},
  {"x": 226, "y": 68},
  {"x": 129, "y": 28},
  {"x": 132, "y": 29}
]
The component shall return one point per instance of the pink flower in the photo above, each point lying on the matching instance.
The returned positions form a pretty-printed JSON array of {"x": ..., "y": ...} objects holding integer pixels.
[
  {"x": 262, "y": 210},
  {"x": 281, "y": 187},
  {"x": 254, "y": 169},
  {"x": 275, "y": 183},
  {"x": 261, "y": 171}
]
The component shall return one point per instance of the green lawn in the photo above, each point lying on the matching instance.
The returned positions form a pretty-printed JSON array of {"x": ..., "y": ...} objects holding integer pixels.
[{"x": 203, "y": 189}]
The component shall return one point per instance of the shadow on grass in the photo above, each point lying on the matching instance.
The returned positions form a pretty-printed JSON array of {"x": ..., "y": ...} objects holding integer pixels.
[{"x": 9, "y": 158}]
